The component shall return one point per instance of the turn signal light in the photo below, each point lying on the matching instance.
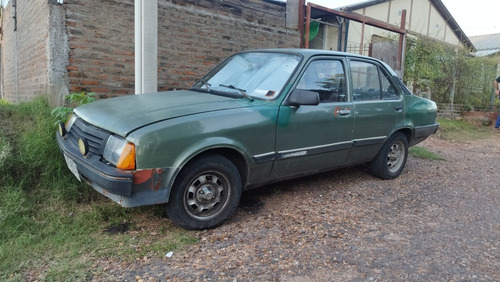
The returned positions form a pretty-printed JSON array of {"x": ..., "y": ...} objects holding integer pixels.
[{"x": 127, "y": 158}]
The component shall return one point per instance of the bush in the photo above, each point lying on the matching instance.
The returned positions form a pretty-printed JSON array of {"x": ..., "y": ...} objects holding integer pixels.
[{"x": 452, "y": 75}]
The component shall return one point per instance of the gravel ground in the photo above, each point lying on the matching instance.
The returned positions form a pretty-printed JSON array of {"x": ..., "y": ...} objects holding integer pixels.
[{"x": 439, "y": 221}]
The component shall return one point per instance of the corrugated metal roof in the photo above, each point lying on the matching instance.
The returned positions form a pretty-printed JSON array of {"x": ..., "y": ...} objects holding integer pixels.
[{"x": 486, "y": 45}]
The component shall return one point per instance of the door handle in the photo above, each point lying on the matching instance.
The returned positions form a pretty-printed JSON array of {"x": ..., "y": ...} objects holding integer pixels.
[
  {"x": 344, "y": 112},
  {"x": 398, "y": 108}
]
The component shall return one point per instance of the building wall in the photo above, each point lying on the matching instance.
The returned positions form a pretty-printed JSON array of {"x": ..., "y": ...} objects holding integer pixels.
[
  {"x": 422, "y": 18},
  {"x": 101, "y": 44},
  {"x": 25, "y": 52},
  {"x": 193, "y": 36},
  {"x": 88, "y": 45}
]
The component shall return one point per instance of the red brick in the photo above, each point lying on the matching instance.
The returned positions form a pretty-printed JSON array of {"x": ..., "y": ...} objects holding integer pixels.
[
  {"x": 86, "y": 82},
  {"x": 75, "y": 88}
]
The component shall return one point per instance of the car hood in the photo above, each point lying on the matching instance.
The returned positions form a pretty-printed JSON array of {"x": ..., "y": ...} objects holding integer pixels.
[{"x": 125, "y": 114}]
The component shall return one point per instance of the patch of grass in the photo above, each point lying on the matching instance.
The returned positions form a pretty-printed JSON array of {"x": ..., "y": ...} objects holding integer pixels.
[
  {"x": 457, "y": 130},
  {"x": 424, "y": 153},
  {"x": 51, "y": 225}
]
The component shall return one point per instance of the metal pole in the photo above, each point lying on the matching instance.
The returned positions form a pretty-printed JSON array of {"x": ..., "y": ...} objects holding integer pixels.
[{"x": 138, "y": 46}]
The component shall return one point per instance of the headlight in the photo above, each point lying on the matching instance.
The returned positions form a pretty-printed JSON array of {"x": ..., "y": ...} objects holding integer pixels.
[
  {"x": 63, "y": 129},
  {"x": 70, "y": 121},
  {"x": 120, "y": 152}
]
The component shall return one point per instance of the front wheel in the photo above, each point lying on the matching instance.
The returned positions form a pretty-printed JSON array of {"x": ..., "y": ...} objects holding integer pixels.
[
  {"x": 391, "y": 159},
  {"x": 205, "y": 194}
]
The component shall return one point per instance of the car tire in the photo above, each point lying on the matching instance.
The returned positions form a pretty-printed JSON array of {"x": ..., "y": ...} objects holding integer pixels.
[
  {"x": 391, "y": 160},
  {"x": 205, "y": 194}
]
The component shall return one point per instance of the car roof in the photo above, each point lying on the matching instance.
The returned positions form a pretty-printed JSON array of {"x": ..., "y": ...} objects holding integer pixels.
[{"x": 308, "y": 53}]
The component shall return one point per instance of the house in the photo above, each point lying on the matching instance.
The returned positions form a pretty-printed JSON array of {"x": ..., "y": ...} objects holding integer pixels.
[
  {"x": 488, "y": 46},
  {"x": 428, "y": 18}
]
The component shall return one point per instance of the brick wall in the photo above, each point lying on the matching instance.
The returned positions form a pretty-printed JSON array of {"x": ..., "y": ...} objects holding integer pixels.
[
  {"x": 88, "y": 45},
  {"x": 193, "y": 36},
  {"x": 101, "y": 42},
  {"x": 24, "y": 50}
]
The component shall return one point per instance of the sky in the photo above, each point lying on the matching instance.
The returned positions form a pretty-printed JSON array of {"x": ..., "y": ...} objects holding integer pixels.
[{"x": 478, "y": 17}]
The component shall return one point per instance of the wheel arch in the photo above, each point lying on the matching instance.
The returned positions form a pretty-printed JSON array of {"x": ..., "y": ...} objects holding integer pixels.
[
  {"x": 407, "y": 132},
  {"x": 232, "y": 154}
]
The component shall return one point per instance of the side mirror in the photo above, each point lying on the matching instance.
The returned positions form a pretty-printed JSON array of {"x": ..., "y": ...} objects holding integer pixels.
[{"x": 300, "y": 97}]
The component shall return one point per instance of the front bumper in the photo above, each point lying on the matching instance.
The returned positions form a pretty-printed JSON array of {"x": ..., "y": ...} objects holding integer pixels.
[
  {"x": 94, "y": 171},
  {"x": 127, "y": 188}
]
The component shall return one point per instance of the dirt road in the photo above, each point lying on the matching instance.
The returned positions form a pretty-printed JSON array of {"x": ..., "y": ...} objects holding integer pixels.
[{"x": 439, "y": 221}]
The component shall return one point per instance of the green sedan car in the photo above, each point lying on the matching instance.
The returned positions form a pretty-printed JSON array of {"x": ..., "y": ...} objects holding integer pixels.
[{"x": 259, "y": 117}]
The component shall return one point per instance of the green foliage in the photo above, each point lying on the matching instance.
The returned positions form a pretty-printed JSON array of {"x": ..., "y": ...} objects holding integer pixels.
[
  {"x": 457, "y": 130},
  {"x": 423, "y": 61},
  {"x": 424, "y": 153},
  {"x": 72, "y": 100},
  {"x": 450, "y": 73},
  {"x": 51, "y": 225}
]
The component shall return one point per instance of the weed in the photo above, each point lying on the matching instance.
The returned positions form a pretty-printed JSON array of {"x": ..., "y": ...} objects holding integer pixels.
[
  {"x": 51, "y": 225},
  {"x": 5, "y": 150},
  {"x": 457, "y": 130},
  {"x": 72, "y": 100},
  {"x": 423, "y": 153}
]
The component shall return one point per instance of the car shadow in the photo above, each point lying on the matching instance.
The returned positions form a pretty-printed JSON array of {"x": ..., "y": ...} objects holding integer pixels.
[{"x": 252, "y": 201}]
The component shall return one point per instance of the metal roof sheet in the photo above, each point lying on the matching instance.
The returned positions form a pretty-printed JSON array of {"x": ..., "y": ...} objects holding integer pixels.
[{"x": 486, "y": 45}]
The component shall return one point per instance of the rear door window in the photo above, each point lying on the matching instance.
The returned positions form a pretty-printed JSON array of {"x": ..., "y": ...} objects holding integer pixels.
[{"x": 370, "y": 82}]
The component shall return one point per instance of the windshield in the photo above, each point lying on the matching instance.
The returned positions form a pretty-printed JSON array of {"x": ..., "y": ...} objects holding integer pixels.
[{"x": 258, "y": 75}]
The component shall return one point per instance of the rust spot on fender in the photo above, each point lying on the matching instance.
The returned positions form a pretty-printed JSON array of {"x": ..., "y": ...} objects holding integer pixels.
[
  {"x": 157, "y": 179},
  {"x": 151, "y": 178},
  {"x": 142, "y": 176}
]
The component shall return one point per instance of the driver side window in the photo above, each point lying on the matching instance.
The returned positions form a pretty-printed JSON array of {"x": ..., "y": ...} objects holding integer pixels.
[{"x": 327, "y": 78}]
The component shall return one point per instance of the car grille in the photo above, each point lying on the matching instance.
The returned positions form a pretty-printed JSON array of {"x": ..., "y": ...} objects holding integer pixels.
[{"x": 96, "y": 137}]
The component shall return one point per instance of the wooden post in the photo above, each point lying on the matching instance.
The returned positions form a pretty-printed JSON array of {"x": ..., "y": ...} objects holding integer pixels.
[
  {"x": 401, "y": 48},
  {"x": 308, "y": 26}
]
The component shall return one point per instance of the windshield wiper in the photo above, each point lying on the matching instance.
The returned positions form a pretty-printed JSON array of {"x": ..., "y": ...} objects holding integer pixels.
[
  {"x": 242, "y": 91},
  {"x": 205, "y": 83}
]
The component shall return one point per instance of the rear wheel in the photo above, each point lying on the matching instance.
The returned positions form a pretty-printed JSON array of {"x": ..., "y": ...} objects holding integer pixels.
[
  {"x": 391, "y": 160},
  {"x": 205, "y": 194}
]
